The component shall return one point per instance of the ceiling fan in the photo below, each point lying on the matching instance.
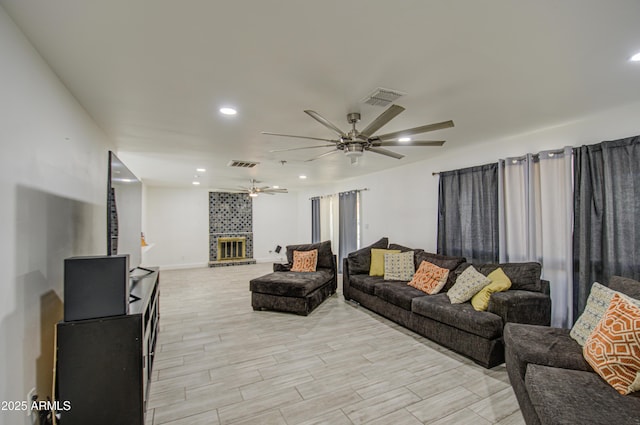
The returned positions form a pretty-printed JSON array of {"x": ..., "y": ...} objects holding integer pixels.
[
  {"x": 354, "y": 142},
  {"x": 254, "y": 191}
]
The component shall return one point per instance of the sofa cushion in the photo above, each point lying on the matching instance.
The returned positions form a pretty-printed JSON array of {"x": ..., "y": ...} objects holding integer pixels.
[
  {"x": 397, "y": 293},
  {"x": 525, "y": 276},
  {"x": 399, "y": 266},
  {"x": 613, "y": 348},
  {"x": 325, "y": 255},
  {"x": 365, "y": 283},
  {"x": 500, "y": 282},
  {"x": 462, "y": 316},
  {"x": 290, "y": 284},
  {"x": 377, "y": 260},
  {"x": 597, "y": 303},
  {"x": 562, "y": 396},
  {"x": 429, "y": 278},
  {"x": 305, "y": 261},
  {"x": 403, "y": 248},
  {"x": 543, "y": 345},
  {"x": 625, "y": 285},
  {"x": 469, "y": 283},
  {"x": 360, "y": 260},
  {"x": 444, "y": 261}
]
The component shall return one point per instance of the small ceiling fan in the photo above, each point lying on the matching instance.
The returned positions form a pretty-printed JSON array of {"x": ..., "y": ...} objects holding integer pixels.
[
  {"x": 355, "y": 142},
  {"x": 254, "y": 191}
]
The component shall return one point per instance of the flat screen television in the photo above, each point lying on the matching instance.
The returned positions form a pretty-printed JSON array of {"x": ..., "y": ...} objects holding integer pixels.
[{"x": 124, "y": 213}]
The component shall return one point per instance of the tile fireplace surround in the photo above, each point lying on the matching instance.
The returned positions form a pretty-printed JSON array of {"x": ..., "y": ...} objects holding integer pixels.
[{"x": 230, "y": 219}]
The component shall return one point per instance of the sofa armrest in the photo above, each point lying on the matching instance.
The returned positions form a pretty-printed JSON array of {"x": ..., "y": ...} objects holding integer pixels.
[
  {"x": 346, "y": 284},
  {"x": 519, "y": 306},
  {"x": 545, "y": 287},
  {"x": 279, "y": 267}
]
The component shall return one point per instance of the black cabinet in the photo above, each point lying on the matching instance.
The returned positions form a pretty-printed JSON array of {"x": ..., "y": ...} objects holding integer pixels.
[{"x": 104, "y": 364}]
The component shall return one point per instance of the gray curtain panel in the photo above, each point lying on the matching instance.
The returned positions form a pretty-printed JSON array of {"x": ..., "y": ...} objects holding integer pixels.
[
  {"x": 348, "y": 223},
  {"x": 606, "y": 233},
  {"x": 315, "y": 220},
  {"x": 468, "y": 213}
]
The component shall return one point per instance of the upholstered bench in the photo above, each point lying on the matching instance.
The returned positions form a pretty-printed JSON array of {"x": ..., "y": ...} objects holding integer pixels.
[{"x": 296, "y": 292}]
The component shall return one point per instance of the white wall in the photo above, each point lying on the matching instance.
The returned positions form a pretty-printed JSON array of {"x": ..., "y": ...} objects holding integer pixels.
[
  {"x": 401, "y": 202},
  {"x": 275, "y": 222},
  {"x": 53, "y": 180},
  {"x": 176, "y": 222}
]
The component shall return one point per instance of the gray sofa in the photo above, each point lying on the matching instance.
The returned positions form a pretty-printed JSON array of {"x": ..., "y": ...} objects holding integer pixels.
[
  {"x": 553, "y": 382},
  {"x": 296, "y": 292},
  {"x": 475, "y": 334}
]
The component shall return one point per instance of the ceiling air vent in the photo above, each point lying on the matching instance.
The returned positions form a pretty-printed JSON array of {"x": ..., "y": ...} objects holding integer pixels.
[
  {"x": 242, "y": 164},
  {"x": 382, "y": 97}
]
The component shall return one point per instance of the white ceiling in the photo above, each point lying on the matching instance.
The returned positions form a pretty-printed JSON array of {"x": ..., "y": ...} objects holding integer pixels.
[{"x": 153, "y": 73}]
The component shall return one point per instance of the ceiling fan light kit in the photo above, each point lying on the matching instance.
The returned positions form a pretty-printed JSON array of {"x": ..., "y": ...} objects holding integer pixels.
[{"x": 354, "y": 143}]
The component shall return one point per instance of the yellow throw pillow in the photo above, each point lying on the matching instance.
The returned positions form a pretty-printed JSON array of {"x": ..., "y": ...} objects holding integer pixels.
[
  {"x": 305, "y": 261},
  {"x": 500, "y": 282},
  {"x": 613, "y": 348},
  {"x": 377, "y": 260}
]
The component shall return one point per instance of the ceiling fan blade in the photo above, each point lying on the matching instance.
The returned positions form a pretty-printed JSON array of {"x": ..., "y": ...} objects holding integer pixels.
[
  {"x": 299, "y": 137},
  {"x": 382, "y": 119},
  {"x": 386, "y": 152},
  {"x": 416, "y": 130},
  {"x": 412, "y": 143},
  {"x": 324, "y": 154},
  {"x": 307, "y": 147},
  {"x": 275, "y": 191},
  {"x": 322, "y": 120},
  {"x": 262, "y": 188}
]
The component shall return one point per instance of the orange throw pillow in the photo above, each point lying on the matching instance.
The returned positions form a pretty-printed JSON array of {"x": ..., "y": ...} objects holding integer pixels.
[
  {"x": 429, "y": 278},
  {"x": 305, "y": 261},
  {"x": 613, "y": 348}
]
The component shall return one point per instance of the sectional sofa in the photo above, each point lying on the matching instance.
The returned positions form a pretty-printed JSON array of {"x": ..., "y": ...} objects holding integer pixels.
[
  {"x": 459, "y": 327},
  {"x": 296, "y": 292},
  {"x": 553, "y": 382}
]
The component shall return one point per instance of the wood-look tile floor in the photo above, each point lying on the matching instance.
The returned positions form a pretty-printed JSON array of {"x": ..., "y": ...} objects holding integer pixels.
[{"x": 219, "y": 362}]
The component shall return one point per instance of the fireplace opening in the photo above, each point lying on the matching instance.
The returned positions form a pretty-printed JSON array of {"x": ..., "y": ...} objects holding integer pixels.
[{"x": 231, "y": 248}]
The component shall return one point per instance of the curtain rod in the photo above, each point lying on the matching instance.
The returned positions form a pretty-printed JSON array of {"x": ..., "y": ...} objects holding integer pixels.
[
  {"x": 522, "y": 157},
  {"x": 333, "y": 194}
]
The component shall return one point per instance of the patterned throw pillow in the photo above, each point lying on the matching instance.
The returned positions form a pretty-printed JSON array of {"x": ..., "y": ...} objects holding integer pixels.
[
  {"x": 469, "y": 283},
  {"x": 613, "y": 348},
  {"x": 429, "y": 278},
  {"x": 500, "y": 282},
  {"x": 597, "y": 303},
  {"x": 399, "y": 266},
  {"x": 305, "y": 261},
  {"x": 377, "y": 260}
]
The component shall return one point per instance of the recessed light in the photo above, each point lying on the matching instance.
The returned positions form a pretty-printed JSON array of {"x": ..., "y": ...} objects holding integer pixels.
[
  {"x": 635, "y": 58},
  {"x": 404, "y": 139},
  {"x": 228, "y": 111},
  {"x": 276, "y": 187},
  {"x": 302, "y": 177},
  {"x": 195, "y": 183},
  {"x": 201, "y": 170}
]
